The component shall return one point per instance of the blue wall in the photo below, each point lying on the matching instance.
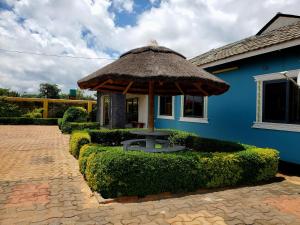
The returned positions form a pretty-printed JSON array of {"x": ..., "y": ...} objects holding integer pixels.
[{"x": 232, "y": 114}]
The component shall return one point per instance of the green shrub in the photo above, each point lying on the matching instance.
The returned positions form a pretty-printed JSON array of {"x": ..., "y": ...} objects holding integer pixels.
[
  {"x": 180, "y": 137},
  {"x": 8, "y": 109},
  {"x": 112, "y": 137},
  {"x": 218, "y": 169},
  {"x": 72, "y": 114},
  {"x": 77, "y": 140},
  {"x": 118, "y": 173},
  {"x": 258, "y": 164},
  {"x": 27, "y": 121},
  {"x": 36, "y": 113},
  {"x": 114, "y": 172},
  {"x": 72, "y": 126},
  {"x": 89, "y": 149},
  {"x": 75, "y": 114},
  {"x": 192, "y": 141},
  {"x": 213, "y": 145},
  {"x": 59, "y": 123}
]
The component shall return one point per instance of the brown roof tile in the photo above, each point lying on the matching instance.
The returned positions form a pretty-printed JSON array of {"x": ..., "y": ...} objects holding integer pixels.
[{"x": 256, "y": 42}]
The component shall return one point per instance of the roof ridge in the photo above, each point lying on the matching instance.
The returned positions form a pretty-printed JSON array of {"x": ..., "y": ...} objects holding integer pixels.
[{"x": 254, "y": 38}]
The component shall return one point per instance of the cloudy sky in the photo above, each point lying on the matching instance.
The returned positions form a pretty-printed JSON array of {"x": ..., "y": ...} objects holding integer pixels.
[{"x": 103, "y": 29}]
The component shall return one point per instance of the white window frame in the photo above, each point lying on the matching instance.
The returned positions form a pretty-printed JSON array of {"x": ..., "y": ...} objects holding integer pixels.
[
  {"x": 259, "y": 103},
  {"x": 183, "y": 118},
  {"x": 164, "y": 116}
]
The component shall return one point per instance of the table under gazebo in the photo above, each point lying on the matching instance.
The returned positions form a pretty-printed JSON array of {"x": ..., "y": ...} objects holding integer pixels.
[{"x": 153, "y": 70}]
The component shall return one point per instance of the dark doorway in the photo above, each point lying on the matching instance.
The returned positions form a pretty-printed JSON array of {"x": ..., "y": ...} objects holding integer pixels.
[{"x": 132, "y": 110}]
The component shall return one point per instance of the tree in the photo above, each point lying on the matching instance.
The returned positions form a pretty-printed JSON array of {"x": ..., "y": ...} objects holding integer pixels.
[
  {"x": 8, "y": 92},
  {"x": 49, "y": 90}
]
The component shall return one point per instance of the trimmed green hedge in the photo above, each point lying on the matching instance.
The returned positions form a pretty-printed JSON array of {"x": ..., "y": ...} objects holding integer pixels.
[
  {"x": 111, "y": 137},
  {"x": 74, "y": 116},
  {"x": 191, "y": 141},
  {"x": 27, "y": 121},
  {"x": 114, "y": 172},
  {"x": 77, "y": 140},
  {"x": 89, "y": 149},
  {"x": 68, "y": 127}
]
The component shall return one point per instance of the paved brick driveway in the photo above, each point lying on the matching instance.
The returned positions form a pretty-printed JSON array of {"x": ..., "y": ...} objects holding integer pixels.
[{"x": 40, "y": 184}]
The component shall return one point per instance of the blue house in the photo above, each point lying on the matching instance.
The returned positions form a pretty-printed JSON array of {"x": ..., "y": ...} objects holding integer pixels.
[{"x": 262, "y": 106}]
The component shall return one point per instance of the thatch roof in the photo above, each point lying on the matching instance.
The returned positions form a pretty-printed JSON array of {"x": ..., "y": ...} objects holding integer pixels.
[{"x": 171, "y": 72}]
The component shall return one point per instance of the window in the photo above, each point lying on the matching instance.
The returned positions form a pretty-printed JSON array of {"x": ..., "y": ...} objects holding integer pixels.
[
  {"x": 166, "y": 107},
  {"x": 278, "y": 102},
  {"x": 132, "y": 110},
  {"x": 281, "y": 101},
  {"x": 194, "y": 109},
  {"x": 193, "y": 106}
]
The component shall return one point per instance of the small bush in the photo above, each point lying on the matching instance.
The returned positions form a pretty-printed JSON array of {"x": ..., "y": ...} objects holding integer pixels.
[
  {"x": 114, "y": 172},
  {"x": 8, "y": 109},
  {"x": 213, "y": 145},
  {"x": 36, "y": 113},
  {"x": 27, "y": 121},
  {"x": 75, "y": 114},
  {"x": 258, "y": 164},
  {"x": 68, "y": 127},
  {"x": 112, "y": 137},
  {"x": 89, "y": 149},
  {"x": 218, "y": 169},
  {"x": 72, "y": 114},
  {"x": 118, "y": 173},
  {"x": 59, "y": 122},
  {"x": 77, "y": 140},
  {"x": 192, "y": 141}
]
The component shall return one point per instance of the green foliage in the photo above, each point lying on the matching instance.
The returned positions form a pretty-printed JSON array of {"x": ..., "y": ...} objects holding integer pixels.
[
  {"x": 36, "y": 113},
  {"x": 118, "y": 173},
  {"x": 77, "y": 140},
  {"x": 68, "y": 127},
  {"x": 27, "y": 121},
  {"x": 8, "y": 92},
  {"x": 89, "y": 149},
  {"x": 114, "y": 172},
  {"x": 59, "y": 122},
  {"x": 72, "y": 114},
  {"x": 75, "y": 114},
  {"x": 111, "y": 137},
  {"x": 8, "y": 109},
  {"x": 218, "y": 169},
  {"x": 213, "y": 145},
  {"x": 49, "y": 90},
  {"x": 258, "y": 164},
  {"x": 192, "y": 141}
]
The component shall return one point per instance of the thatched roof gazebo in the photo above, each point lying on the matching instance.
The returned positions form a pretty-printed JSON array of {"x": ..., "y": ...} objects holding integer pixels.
[{"x": 153, "y": 70}]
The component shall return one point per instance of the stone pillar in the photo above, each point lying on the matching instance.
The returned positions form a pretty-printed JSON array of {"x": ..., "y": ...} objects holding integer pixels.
[
  {"x": 99, "y": 110},
  {"x": 118, "y": 111}
]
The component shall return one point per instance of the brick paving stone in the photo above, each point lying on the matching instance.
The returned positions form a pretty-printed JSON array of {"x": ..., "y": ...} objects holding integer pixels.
[{"x": 40, "y": 184}]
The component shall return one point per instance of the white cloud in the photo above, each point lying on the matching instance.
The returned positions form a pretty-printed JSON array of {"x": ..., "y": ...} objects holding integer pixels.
[
  {"x": 87, "y": 28},
  {"x": 122, "y": 5}
]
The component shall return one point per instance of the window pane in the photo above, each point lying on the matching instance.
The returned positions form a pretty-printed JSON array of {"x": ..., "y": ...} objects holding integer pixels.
[
  {"x": 132, "y": 109},
  {"x": 188, "y": 106},
  {"x": 198, "y": 106},
  {"x": 294, "y": 104},
  {"x": 193, "y": 106},
  {"x": 274, "y": 105},
  {"x": 165, "y": 106}
]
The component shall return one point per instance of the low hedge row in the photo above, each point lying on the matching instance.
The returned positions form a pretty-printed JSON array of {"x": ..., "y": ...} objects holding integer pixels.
[
  {"x": 114, "y": 172},
  {"x": 191, "y": 141},
  {"x": 27, "y": 121},
  {"x": 77, "y": 140},
  {"x": 68, "y": 127}
]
